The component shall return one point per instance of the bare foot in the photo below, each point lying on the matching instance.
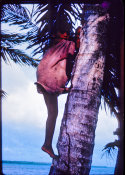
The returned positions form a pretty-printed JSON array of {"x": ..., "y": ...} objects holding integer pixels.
[{"x": 49, "y": 150}]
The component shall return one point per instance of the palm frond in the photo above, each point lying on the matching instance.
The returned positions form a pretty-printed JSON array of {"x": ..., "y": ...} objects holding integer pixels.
[
  {"x": 2, "y": 93},
  {"x": 110, "y": 148},
  {"x": 52, "y": 18},
  {"x": 18, "y": 56},
  {"x": 12, "y": 38},
  {"x": 111, "y": 83},
  {"x": 9, "y": 42},
  {"x": 15, "y": 14}
]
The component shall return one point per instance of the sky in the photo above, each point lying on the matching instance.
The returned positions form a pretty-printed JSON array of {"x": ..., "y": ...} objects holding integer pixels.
[{"x": 24, "y": 117}]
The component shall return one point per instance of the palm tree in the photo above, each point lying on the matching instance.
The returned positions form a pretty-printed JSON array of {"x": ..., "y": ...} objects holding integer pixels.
[
  {"x": 39, "y": 36},
  {"x": 75, "y": 143},
  {"x": 76, "y": 140}
]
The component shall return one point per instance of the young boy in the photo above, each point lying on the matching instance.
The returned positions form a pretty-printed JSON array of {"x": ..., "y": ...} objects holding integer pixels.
[{"x": 52, "y": 78}]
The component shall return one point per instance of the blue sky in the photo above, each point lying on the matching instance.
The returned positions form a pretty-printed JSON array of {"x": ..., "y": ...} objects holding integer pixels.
[{"x": 24, "y": 116}]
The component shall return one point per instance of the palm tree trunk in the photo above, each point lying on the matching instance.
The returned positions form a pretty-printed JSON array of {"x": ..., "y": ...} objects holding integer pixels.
[{"x": 76, "y": 140}]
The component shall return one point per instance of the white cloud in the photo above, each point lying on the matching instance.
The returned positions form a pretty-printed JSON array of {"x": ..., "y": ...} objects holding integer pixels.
[
  {"x": 106, "y": 125},
  {"x": 23, "y": 104}
]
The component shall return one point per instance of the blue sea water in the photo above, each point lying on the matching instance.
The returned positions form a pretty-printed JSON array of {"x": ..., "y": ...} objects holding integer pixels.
[{"x": 33, "y": 168}]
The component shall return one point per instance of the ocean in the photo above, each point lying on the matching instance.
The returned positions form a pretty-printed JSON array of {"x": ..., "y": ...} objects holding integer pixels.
[{"x": 33, "y": 168}]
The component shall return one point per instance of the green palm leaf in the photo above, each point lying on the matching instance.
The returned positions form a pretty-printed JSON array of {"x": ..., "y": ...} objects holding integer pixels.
[
  {"x": 11, "y": 38},
  {"x": 2, "y": 93},
  {"x": 8, "y": 51},
  {"x": 54, "y": 17},
  {"x": 110, "y": 148},
  {"x": 15, "y": 14},
  {"x": 18, "y": 56},
  {"x": 111, "y": 83}
]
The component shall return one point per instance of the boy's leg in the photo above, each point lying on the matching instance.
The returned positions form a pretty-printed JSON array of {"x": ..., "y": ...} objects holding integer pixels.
[{"x": 52, "y": 107}]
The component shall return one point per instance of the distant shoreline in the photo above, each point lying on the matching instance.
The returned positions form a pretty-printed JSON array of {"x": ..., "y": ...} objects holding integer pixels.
[
  {"x": 41, "y": 163},
  {"x": 25, "y": 162}
]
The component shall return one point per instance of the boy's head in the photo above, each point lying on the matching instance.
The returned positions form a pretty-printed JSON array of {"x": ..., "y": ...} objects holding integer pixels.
[
  {"x": 62, "y": 35},
  {"x": 59, "y": 36}
]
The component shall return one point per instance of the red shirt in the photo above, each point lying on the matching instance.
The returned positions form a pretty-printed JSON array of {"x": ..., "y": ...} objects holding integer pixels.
[{"x": 51, "y": 71}]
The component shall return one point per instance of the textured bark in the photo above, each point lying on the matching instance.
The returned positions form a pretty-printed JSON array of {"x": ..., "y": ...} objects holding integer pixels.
[{"x": 76, "y": 140}]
